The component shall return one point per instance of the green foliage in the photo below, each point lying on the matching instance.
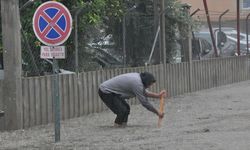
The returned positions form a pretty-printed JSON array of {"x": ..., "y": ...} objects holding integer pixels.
[{"x": 103, "y": 17}]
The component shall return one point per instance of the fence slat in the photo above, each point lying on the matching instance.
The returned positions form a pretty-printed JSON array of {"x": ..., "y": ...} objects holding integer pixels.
[
  {"x": 38, "y": 101},
  {"x": 50, "y": 112},
  {"x": 65, "y": 97},
  {"x": 61, "y": 89},
  {"x": 32, "y": 102},
  {"x": 71, "y": 96},
  {"x": 76, "y": 98},
  {"x": 81, "y": 94},
  {"x": 26, "y": 103},
  {"x": 85, "y": 91}
]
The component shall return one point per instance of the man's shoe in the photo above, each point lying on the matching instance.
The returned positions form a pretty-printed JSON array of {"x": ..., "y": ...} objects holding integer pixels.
[{"x": 118, "y": 125}]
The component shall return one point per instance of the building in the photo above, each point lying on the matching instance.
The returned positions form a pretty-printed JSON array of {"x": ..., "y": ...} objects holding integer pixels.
[{"x": 217, "y": 7}]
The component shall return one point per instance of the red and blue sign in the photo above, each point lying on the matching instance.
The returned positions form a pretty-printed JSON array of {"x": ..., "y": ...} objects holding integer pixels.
[{"x": 52, "y": 23}]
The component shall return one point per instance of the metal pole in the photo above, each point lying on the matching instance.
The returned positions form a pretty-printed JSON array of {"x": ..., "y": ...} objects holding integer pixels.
[
  {"x": 153, "y": 47},
  {"x": 195, "y": 12},
  {"x": 124, "y": 40},
  {"x": 210, "y": 27},
  {"x": 247, "y": 32},
  {"x": 56, "y": 101},
  {"x": 163, "y": 39},
  {"x": 124, "y": 35},
  {"x": 162, "y": 26},
  {"x": 238, "y": 27},
  {"x": 220, "y": 27},
  {"x": 76, "y": 40}
]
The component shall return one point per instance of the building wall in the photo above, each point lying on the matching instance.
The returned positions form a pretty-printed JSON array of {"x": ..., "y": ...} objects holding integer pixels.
[{"x": 216, "y": 7}]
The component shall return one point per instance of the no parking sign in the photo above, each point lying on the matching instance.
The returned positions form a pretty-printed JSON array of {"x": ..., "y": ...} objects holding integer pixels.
[{"x": 52, "y": 23}]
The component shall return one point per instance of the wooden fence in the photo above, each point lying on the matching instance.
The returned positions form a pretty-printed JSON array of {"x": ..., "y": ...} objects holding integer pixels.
[{"x": 78, "y": 93}]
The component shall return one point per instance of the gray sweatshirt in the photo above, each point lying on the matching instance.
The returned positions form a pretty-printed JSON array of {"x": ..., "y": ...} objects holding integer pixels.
[{"x": 128, "y": 85}]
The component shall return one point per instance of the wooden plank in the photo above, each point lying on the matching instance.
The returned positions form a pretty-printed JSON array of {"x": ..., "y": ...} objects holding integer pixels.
[
  {"x": 61, "y": 90},
  {"x": 199, "y": 75},
  {"x": 195, "y": 76},
  {"x": 99, "y": 81},
  {"x": 168, "y": 80},
  {"x": 32, "y": 102},
  {"x": 174, "y": 79},
  {"x": 85, "y": 91},
  {"x": 43, "y": 100},
  {"x": 65, "y": 100},
  {"x": 203, "y": 75},
  {"x": 90, "y": 96},
  {"x": 185, "y": 89},
  {"x": 206, "y": 75},
  {"x": 71, "y": 99},
  {"x": 179, "y": 79},
  {"x": 81, "y": 94},
  {"x": 76, "y": 98},
  {"x": 95, "y": 92},
  {"x": 37, "y": 88},
  {"x": 186, "y": 77},
  {"x": 26, "y": 105},
  {"x": 50, "y": 112}
]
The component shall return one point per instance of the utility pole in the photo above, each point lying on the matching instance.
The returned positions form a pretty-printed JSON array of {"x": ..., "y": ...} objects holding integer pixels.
[
  {"x": 157, "y": 53},
  {"x": 12, "y": 88},
  {"x": 238, "y": 27},
  {"x": 247, "y": 33},
  {"x": 163, "y": 39},
  {"x": 163, "y": 31},
  {"x": 210, "y": 28},
  {"x": 187, "y": 42}
]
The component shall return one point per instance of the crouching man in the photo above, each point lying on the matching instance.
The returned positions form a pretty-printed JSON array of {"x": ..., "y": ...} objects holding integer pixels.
[{"x": 114, "y": 91}]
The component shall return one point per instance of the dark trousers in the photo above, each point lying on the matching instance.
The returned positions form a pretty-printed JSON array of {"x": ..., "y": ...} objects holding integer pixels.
[{"x": 117, "y": 105}]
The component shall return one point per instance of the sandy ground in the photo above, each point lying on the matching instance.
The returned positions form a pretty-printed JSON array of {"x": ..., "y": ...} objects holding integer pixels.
[{"x": 213, "y": 119}]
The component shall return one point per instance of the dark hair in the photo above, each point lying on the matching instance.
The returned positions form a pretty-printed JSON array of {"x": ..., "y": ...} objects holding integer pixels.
[{"x": 147, "y": 79}]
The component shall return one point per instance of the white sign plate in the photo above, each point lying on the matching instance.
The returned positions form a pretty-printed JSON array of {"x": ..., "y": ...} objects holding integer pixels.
[{"x": 50, "y": 52}]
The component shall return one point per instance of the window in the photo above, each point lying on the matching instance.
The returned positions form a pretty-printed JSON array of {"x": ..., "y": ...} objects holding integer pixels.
[{"x": 246, "y": 4}]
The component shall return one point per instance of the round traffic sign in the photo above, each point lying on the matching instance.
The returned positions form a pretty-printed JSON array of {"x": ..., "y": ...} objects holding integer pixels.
[{"x": 52, "y": 23}]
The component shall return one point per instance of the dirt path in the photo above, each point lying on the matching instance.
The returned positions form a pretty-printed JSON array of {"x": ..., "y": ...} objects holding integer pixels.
[{"x": 213, "y": 119}]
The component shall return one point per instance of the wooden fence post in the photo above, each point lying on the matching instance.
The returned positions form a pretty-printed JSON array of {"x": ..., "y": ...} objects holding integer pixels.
[{"x": 12, "y": 88}]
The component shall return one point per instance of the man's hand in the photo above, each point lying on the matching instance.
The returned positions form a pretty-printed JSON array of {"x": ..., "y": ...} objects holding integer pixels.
[
  {"x": 161, "y": 115},
  {"x": 163, "y": 93}
]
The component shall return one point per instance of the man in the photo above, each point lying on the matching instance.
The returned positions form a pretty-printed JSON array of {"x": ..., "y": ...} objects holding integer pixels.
[{"x": 113, "y": 93}]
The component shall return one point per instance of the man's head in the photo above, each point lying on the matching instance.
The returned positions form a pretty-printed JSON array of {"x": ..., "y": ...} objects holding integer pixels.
[{"x": 147, "y": 79}]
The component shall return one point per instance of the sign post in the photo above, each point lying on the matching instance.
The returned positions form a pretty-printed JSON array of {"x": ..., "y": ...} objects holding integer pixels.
[
  {"x": 56, "y": 100},
  {"x": 52, "y": 24}
]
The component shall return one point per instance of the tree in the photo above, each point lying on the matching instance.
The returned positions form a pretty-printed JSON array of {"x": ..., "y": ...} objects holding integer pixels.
[{"x": 100, "y": 18}]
